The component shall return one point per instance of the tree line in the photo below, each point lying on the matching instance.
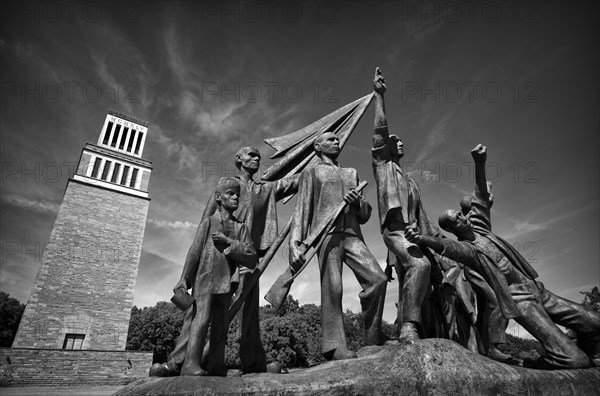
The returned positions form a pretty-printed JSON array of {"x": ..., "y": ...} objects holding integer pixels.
[{"x": 290, "y": 335}]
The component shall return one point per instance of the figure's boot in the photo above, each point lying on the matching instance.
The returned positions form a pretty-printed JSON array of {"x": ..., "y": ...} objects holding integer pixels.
[
  {"x": 499, "y": 356},
  {"x": 163, "y": 370},
  {"x": 343, "y": 354},
  {"x": 274, "y": 368},
  {"x": 191, "y": 365},
  {"x": 539, "y": 364},
  {"x": 192, "y": 370},
  {"x": 409, "y": 332}
]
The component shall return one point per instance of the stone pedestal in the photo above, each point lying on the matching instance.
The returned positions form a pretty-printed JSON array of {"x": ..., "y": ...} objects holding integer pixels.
[{"x": 426, "y": 367}]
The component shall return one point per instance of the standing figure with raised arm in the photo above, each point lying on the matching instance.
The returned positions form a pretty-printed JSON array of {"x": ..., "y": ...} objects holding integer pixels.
[
  {"x": 519, "y": 295},
  {"x": 258, "y": 211},
  {"x": 400, "y": 205},
  {"x": 322, "y": 188}
]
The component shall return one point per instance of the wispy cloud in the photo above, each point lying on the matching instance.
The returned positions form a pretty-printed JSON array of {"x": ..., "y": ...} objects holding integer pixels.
[
  {"x": 522, "y": 227},
  {"x": 33, "y": 56},
  {"x": 424, "y": 176},
  {"x": 120, "y": 66},
  {"x": 525, "y": 226},
  {"x": 175, "y": 225},
  {"x": 185, "y": 155},
  {"x": 30, "y": 204},
  {"x": 171, "y": 58},
  {"x": 461, "y": 192},
  {"x": 435, "y": 137}
]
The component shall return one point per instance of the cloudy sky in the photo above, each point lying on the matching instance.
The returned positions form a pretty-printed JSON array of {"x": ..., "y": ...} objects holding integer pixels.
[{"x": 210, "y": 77}]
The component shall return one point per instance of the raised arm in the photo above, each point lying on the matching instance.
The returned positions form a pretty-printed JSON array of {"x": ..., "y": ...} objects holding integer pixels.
[
  {"x": 380, "y": 134},
  {"x": 479, "y": 154}
]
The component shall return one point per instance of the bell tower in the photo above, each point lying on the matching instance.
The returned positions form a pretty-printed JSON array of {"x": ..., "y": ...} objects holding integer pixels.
[{"x": 83, "y": 293}]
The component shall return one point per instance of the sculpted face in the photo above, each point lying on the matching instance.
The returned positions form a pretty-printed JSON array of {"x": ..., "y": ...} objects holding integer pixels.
[
  {"x": 328, "y": 144},
  {"x": 228, "y": 197},
  {"x": 249, "y": 160},
  {"x": 455, "y": 222},
  {"x": 397, "y": 146}
]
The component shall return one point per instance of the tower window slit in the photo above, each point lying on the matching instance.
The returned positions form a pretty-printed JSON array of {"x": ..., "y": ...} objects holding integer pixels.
[
  {"x": 106, "y": 170},
  {"x": 133, "y": 177},
  {"x": 139, "y": 142},
  {"x": 130, "y": 144},
  {"x": 115, "y": 136},
  {"x": 122, "y": 143},
  {"x": 109, "y": 128},
  {"x": 124, "y": 177},
  {"x": 96, "y": 167},
  {"x": 115, "y": 174}
]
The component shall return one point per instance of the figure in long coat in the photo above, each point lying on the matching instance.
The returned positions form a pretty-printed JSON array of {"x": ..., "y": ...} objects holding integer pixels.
[
  {"x": 322, "y": 189},
  {"x": 221, "y": 246}
]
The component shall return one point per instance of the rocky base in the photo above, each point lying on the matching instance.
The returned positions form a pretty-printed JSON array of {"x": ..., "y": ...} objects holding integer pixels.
[{"x": 425, "y": 367}]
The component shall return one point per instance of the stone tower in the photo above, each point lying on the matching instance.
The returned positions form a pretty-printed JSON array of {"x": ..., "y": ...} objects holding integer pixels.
[{"x": 83, "y": 293}]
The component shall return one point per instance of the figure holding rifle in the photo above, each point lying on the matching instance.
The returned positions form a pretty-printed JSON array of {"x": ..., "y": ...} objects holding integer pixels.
[
  {"x": 257, "y": 210},
  {"x": 322, "y": 189}
]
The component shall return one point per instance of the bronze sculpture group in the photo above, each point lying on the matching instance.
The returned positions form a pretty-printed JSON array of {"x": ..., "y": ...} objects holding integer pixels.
[{"x": 239, "y": 228}]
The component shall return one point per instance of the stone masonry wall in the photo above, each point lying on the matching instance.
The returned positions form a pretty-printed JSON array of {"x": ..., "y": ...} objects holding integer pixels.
[
  {"x": 84, "y": 164},
  {"x": 145, "y": 180},
  {"x": 86, "y": 281},
  {"x": 45, "y": 367}
]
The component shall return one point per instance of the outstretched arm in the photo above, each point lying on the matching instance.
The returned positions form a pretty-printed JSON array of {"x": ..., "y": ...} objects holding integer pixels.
[
  {"x": 413, "y": 234},
  {"x": 457, "y": 251},
  {"x": 380, "y": 135},
  {"x": 286, "y": 186}
]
